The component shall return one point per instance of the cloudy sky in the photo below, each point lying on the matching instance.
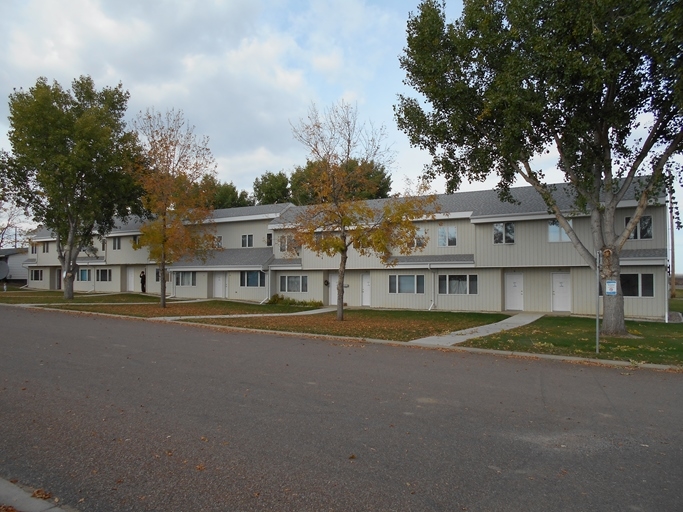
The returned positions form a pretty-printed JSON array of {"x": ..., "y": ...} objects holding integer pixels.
[{"x": 241, "y": 70}]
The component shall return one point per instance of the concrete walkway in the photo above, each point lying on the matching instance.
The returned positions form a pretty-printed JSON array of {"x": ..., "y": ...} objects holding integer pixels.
[{"x": 453, "y": 338}]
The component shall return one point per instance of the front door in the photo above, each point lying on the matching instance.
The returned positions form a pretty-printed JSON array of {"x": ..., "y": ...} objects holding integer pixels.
[
  {"x": 131, "y": 279},
  {"x": 514, "y": 292},
  {"x": 333, "y": 279},
  {"x": 562, "y": 292},
  {"x": 218, "y": 285},
  {"x": 365, "y": 290}
]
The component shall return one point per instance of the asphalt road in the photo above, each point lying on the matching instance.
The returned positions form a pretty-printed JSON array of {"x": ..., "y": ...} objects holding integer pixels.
[{"x": 119, "y": 415}]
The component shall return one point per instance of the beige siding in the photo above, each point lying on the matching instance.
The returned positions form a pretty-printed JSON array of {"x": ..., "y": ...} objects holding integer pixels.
[
  {"x": 316, "y": 286},
  {"x": 126, "y": 255},
  {"x": 199, "y": 291},
  {"x": 253, "y": 294},
  {"x": 232, "y": 233},
  {"x": 487, "y": 298}
]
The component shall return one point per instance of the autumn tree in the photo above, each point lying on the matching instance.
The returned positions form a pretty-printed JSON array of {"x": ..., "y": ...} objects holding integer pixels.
[
  {"x": 272, "y": 188},
  {"x": 597, "y": 83},
  {"x": 69, "y": 165},
  {"x": 177, "y": 197},
  {"x": 344, "y": 151},
  {"x": 376, "y": 183}
]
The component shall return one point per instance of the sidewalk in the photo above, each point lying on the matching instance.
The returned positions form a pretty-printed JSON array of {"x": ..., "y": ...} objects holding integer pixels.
[
  {"x": 14, "y": 496},
  {"x": 448, "y": 340}
]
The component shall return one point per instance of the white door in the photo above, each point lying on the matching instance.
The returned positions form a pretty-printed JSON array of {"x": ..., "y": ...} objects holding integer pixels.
[
  {"x": 131, "y": 279},
  {"x": 365, "y": 290},
  {"x": 562, "y": 292},
  {"x": 218, "y": 285},
  {"x": 333, "y": 279},
  {"x": 514, "y": 292}
]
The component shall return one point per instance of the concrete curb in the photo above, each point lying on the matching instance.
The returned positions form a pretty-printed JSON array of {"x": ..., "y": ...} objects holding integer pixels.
[{"x": 15, "y": 496}]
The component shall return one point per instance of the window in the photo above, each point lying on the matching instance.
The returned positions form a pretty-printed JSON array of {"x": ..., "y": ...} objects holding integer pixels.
[
  {"x": 556, "y": 233},
  {"x": 104, "y": 245},
  {"x": 36, "y": 275},
  {"x": 448, "y": 236},
  {"x": 504, "y": 233},
  {"x": 420, "y": 238},
  {"x": 269, "y": 239},
  {"x": 643, "y": 229},
  {"x": 116, "y": 243},
  {"x": 136, "y": 238},
  {"x": 34, "y": 249},
  {"x": 287, "y": 244},
  {"x": 637, "y": 285},
  {"x": 157, "y": 275},
  {"x": 217, "y": 242},
  {"x": 407, "y": 283},
  {"x": 186, "y": 278},
  {"x": 103, "y": 274},
  {"x": 458, "y": 284},
  {"x": 252, "y": 278},
  {"x": 294, "y": 284},
  {"x": 84, "y": 274},
  {"x": 46, "y": 246},
  {"x": 247, "y": 240}
]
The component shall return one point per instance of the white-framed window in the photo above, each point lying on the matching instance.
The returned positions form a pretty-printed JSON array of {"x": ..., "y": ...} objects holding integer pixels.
[
  {"x": 116, "y": 243},
  {"x": 136, "y": 238},
  {"x": 459, "y": 284},
  {"x": 638, "y": 285},
  {"x": 218, "y": 242},
  {"x": 252, "y": 279},
  {"x": 46, "y": 247},
  {"x": 643, "y": 229},
  {"x": 36, "y": 274},
  {"x": 34, "y": 249},
  {"x": 420, "y": 238},
  {"x": 288, "y": 244},
  {"x": 247, "y": 240},
  {"x": 103, "y": 274},
  {"x": 269, "y": 239},
  {"x": 157, "y": 275},
  {"x": 104, "y": 244},
  {"x": 448, "y": 236},
  {"x": 408, "y": 283},
  {"x": 294, "y": 284},
  {"x": 84, "y": 274},
  {"x": 186, "y": 278},
  {"x": 504, "y": 233},
  {"x": 556, "y": 233}
]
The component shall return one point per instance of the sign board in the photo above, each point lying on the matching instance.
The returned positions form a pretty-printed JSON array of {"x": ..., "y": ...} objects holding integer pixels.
[{"x": 610, "y": 288}]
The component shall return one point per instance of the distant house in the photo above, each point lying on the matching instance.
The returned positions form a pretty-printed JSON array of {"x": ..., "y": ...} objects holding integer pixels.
[
  {"x": 480, "y": 254},
  {"x": 15, "y": 259}
]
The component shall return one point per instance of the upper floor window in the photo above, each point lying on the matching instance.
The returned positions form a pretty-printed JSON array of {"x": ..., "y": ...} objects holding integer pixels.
[
  {"x": 116, "y": 243},
  {"x": 504, "y": 233},
  {"x": 448, "y": 236},
  {"x": 288, "y": 244},
  {"x": 269, "y": 239},
  {"x": 556, "y": 233},
  {"x": 407, "y": 283},
  {"x": 104, "y": 244},
  {"x": 247, "y": 240},
  {"x": 217, "y": 242},
  {"x": 136, "y": 238},
  {"x": 643, "y": 229},
  {"x": 46, "y": 246},
  {"x": 420, "y": 238},
  {"x": 34, "y": 249}
]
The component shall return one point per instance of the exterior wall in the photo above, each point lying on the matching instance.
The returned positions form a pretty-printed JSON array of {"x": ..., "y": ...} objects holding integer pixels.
[
  {"x": 232, "y": 233},
  {"x": 199, "y": 291},
  {"x": 126, "y": 255},
  {"x": 487, "y": 298},
  {"x": 252, "y": 294},
  {"x": 316, "y": 285},
  {"x": 44, "y": 284},
  {"x": 659, "y": 216},
  {"x": 16, "y": 270}
]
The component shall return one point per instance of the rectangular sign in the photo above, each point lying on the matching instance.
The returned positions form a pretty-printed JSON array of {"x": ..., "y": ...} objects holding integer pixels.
[{"x": 611, "y": 288}]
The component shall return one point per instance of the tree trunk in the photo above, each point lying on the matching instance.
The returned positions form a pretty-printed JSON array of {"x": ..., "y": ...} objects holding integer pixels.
[
  {"x": 613, "y": 323},
  {"x": 162, "y": 277},
  {"x": 340, "y": 285},
  {"x": 68, "y": 284}
]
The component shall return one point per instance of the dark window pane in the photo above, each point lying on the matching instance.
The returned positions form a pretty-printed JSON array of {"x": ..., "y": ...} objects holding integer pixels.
[
  {"x": 629, "y": 285},
  {"x": 473, "y": 285},
  {"x": 442, "y": 284},
  {"x": 648, "y": 285},
  {"x": 509, "y": 232},
  {"x": 420, "y": 283},
  {"x": 646, "y": 227}
]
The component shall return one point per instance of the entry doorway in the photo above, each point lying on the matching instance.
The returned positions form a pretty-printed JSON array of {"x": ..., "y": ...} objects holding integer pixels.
[
  {"x": 131, "y": 279},
  {"x": 365, "y": 290},
  {"x": 333, "y": 279},
  {"x": 562, "y": 292},
  {"x": 219, "y": 283},
  {"x": 514, "y": 292}
]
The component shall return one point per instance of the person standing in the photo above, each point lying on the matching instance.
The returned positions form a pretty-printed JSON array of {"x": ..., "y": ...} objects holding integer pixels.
[{"x": 143, "y": 281}]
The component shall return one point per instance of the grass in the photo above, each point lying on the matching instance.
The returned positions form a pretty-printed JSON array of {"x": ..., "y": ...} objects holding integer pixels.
[
  {"x": 16, "y": 296},
  {"x": 651, "y": 342},
  {"x": 366, "y": 323},
  {"x": 208, "y": 307}
]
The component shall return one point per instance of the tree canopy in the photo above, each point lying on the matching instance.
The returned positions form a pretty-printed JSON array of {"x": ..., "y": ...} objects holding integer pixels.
[
  {"x": 345, "y": 153},
  {"x": 70, "y": 162},
  {"x": 272, "y": 188},
  {"x": 597, "y": 83},
  {"x": 225, "y": 195},
  {"x": 176, "y": 176}
]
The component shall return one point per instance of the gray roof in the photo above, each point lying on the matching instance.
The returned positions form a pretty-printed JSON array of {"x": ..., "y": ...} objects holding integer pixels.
[
  {"x": 248, "y": 258},
  {"x": 628, "y": 254},
  {"x": 435, "y": 259},
  {"x": 12, "y": 251},
  {"x": 249, "y": 211}
]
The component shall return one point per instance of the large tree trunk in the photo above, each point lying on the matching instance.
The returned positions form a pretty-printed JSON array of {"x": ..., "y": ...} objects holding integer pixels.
[
  {"x": 162, "y": 277},
  {"x": 340, "y": 285},
  {"x": 613, "y": 323},
  {"x": 68, "y": 284}
]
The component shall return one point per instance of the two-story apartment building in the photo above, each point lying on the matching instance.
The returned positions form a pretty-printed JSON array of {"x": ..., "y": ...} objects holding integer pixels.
[{"x": 479, "y": 254}]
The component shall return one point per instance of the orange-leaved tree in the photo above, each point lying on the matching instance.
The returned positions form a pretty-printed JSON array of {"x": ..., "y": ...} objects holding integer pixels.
[
  {"x": 174, "y": 165},
  {"x": 343, "y": 156}
]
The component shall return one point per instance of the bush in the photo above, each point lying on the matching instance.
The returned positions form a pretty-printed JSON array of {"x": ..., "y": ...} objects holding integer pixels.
[{"x": 287, "y": 301}]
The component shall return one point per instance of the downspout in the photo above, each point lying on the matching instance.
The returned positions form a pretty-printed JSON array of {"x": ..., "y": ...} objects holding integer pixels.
[{"x": 433, "y": 304}]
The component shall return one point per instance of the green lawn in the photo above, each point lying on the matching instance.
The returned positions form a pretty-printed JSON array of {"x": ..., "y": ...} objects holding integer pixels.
[
  {"x": 57, "y": 297},
  {"x": 651, "y": 342}
]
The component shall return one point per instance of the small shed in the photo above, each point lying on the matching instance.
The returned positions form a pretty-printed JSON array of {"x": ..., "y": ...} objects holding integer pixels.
[{"x": 15, "y": 258}]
